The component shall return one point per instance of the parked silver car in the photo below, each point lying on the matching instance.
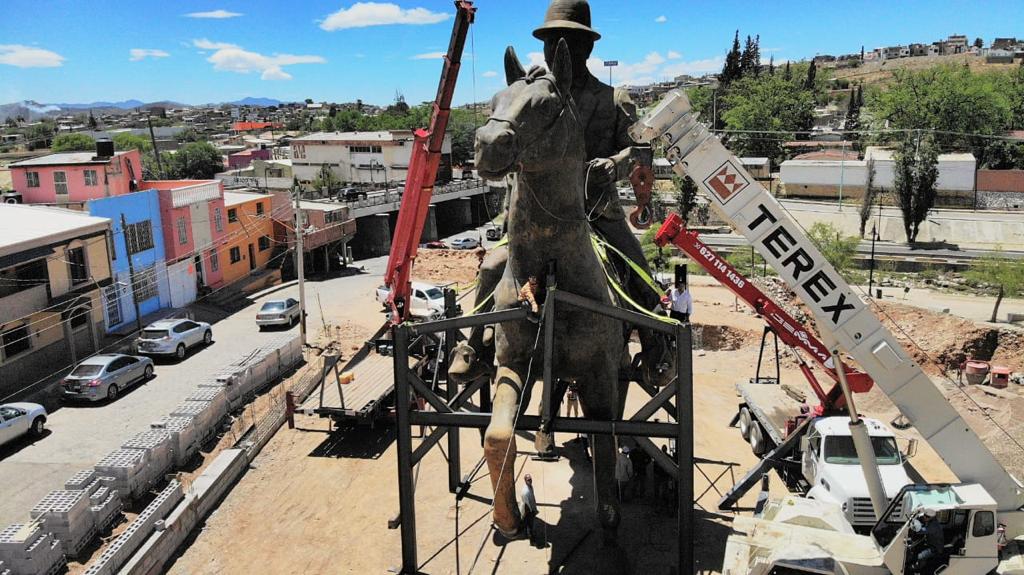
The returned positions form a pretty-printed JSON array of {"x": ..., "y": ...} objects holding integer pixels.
[
  {"x": 173, "y": 337},
  {"x": 104, "y": 376},
  {"x": 17, "y": 419},
  {"x": 278, "y": 312}
]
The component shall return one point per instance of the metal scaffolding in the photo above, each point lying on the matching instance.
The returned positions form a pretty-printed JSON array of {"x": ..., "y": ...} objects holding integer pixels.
[{"x": 449, "y": 412}]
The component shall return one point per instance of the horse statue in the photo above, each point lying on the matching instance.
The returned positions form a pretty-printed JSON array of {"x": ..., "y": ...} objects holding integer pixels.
[{"x": 535, "y": 132}]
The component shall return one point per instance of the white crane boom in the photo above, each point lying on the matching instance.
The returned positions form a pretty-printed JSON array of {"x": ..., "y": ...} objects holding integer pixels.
[{"x": 842, "y": 317}]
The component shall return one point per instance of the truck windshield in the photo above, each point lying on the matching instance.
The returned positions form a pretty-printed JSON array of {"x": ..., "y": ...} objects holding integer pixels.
[
  {"x": 839, "y": 449},
  {"x": 434, "y": 293}
]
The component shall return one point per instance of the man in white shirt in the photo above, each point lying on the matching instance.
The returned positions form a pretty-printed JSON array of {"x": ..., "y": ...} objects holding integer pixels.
[
  {"x": 529, "y": 510},
  {"x": 680, "y": 301}
]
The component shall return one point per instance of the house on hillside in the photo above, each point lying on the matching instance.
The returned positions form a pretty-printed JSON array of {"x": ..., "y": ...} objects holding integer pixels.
[
  {"x": 194, "y": 223},
  {"x": 75, "y": 177}
]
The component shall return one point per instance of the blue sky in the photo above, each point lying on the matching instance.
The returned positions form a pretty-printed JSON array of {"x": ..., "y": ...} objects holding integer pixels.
[{"x": 196, "y": 52}]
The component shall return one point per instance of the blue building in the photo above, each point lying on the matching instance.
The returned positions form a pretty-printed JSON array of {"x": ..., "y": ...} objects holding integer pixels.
[{"x": 139, "y": 236}]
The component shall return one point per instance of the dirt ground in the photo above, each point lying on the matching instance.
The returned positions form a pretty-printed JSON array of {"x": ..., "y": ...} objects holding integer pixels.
[{"x": 318, "y": 500}]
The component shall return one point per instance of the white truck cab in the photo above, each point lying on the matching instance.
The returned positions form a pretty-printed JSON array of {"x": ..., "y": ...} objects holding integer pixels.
[
  {"x": 830, "y": 466},
  {"x": 426, "y": 301}
]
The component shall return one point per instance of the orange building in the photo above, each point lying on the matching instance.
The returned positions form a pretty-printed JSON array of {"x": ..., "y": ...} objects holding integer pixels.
[{"x": 249, "y": 239}]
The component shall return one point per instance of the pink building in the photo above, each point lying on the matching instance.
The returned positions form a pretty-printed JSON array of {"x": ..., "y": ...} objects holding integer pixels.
[
  {"x": 194, "y": 222},
  {"x": 242, "y": 159},
  {"x": 77, "y": 176}
]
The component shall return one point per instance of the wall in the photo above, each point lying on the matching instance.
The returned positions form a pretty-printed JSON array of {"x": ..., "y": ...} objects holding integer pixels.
[
  {"x": 822, "y": 178},
  {"x": 118, "y": 179},
  {"x": 1001, "y": 180},
  {"x": 242, "y": 233},
  {"x": 200, "y": 224}
]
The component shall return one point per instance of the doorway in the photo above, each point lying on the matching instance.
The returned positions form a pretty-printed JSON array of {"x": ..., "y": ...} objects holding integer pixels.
[{"x": 252, "y": 258}]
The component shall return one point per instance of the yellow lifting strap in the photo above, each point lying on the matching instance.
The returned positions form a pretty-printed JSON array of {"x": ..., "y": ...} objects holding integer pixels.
[
  {"x": 599, "y": 250},
  {"x": 640, "y": 271}
]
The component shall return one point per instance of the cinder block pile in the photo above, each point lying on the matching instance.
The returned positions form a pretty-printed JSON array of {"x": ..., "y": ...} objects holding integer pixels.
[
  {"x": 217, "y": 399},
  {"x": 182, "y": 430},
  {"x": 232, "y": 394},
  {"x": 203, "y": 417},
  {"x": 126, "y": 469},
  {"x": 29, "y": 549},
  {"x": 66, "y": 515},
  {"x": 104, "y": 502},
  {"x": 121, "y": 549},
  {"x": 157, "y": 445}
]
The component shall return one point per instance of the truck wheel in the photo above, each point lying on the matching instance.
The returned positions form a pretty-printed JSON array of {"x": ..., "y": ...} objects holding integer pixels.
[
  {"x": 756, "y": 439},
  {"x": 745, "y": 421}
]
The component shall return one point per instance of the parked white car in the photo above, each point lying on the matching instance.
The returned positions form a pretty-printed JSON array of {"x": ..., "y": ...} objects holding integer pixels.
[
  {"x": 427, "y": 300},
  {"x": 278, "y": 312},
  {"x": 17, "y": 419},
  {"x": 173, "y": 337},
  {"x": 465, "y": 243},
  {"x": 105, "y": 376}
]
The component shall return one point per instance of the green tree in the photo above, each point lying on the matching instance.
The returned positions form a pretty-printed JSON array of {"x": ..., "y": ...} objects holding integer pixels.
[
  {"x": 196, "y": 161},
  {"x": 92, "y": 121},
  {"x": 916, "y": 170},
  {"x": 837, "y": 249},
  {"x": 812, "y": 73},
  {"x": 189, "y": 135},
  {"x": 771, "y": 65},
  {"x": 979, "y": 43},
  {"x": 1001, "y": 271},
  {"x": 731, "y": 70},
  {"x": 326, "y": 183},
  {"x": 686, "y": 195},
  {"x": 72, "y": 143},
  {"x": 128, "y": 141},
  {"x": 787, "y": 74},
  {"x": 759, "y": 108},
  {"x": 867, "y": 202}
]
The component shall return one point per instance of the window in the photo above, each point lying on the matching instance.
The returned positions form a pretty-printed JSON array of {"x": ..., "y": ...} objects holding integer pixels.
[
  {"x": 33, "y": 179},
  {"x": 214, "y": 261},
  {"x": 77, "y": 317},
  {"x": 110, "y": 305},
  {"x": 138, "y": 237},
  {"x": 117, "y": 364},
  {"x": 76, "y": 265},
  {"x": 365, "y": 149},
  {"x": 60, "y": 185},
  {"x": 145, "y": 284},
  {"x": 90, "y": 178},
  {"x": 218, "y": 220},
  {"x": 259, "y": 208},
  {"x": 182, "y": 232},
  {"x": 236, "y": 254},
  {"x": 984, "y": 524},
  {"x": 232, "y": 216},
  {"x": 15, "y": 341},
  {"x": 23, "y": 277},
  {"x": 264, "y": 243},
  {"x": 299, "y": 150}
]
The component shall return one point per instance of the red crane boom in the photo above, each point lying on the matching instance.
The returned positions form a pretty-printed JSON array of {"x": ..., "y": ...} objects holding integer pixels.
[
  {"x": 419, "y": 185},
  {"x": 789, "y": 330}
]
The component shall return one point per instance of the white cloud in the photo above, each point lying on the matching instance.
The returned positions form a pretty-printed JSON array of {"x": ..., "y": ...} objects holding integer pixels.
[
  {"x": 490, "y": 74},
  {"x": 136, "y": 54},
  {"x": 661, "y": 19},
  {"x": 654, "y": 67},
  {"x": 535, "y": 59},
  {"x": 29, "y": 56},
  {"x": 216, "y": 14},
  {"x": 363, "y": 14},
  {"x": 429, "y": 56},
  {"x": 673, "y": 55},
  {"x": 233, "y": 58},
  {"x": 695, "y": 67}
]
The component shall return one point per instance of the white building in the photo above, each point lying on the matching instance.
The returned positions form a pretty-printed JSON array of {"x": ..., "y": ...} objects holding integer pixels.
[
  {"x": 825, "y": 178},
  {"x": 358, "y": 157}
]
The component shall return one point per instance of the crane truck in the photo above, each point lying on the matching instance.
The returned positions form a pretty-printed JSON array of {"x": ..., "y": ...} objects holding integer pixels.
[{"x": 803, "y": 535}]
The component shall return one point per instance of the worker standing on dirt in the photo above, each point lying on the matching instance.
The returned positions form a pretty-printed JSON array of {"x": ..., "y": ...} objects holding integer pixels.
[
  {"x": 623, "y": 472},
  {"x": 529, "y": 506},
  {"x": 572, "y": 401},
  {"x": 639, "y": 460},
  {"x": 681, "y": 303}
]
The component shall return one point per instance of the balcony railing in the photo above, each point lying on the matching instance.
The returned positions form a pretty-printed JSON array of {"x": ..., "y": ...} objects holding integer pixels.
[
  {"x": 327, "y": 235},
  {"x": 23, "y": 303},
  {"x": 188, "y": 195}
]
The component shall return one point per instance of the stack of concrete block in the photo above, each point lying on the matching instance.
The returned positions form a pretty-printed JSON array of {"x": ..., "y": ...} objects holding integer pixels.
[
  {"x": 232, "y": 394},
  {"x": 127, "y": 472},
  {"x": 289, "y": 349},
  {"x": 122, "y": 548},
  {"x": 184, "y": 441},
  {"x": 81, "y": 480},
  {"x": 157, "y": 445},
  {"x": 66, "y": 515},
  {"x": 28, "y": 549},
  {"x": 104, "y": 505},
  {"x": 216, "y": 397},
  {"x": 202, "y": 415}
]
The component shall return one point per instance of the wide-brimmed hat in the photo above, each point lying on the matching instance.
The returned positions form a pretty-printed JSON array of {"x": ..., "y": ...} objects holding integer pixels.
[{"x": 566, "y": 15}]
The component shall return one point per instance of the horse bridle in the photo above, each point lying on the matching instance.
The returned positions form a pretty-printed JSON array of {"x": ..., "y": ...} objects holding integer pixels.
[{"x": 513, "y": 125}]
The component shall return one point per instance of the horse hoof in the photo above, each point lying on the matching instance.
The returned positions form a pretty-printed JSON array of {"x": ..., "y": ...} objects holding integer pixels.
[
  {"x": 464, "y": 367},
  {"x": 543, "y": 443},
  {"x": 488, "y": 335}
]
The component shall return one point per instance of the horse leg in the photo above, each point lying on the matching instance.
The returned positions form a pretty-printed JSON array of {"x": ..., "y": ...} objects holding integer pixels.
[
  {"x": 475, "y": 357},
  {"x": 599, "y": 398},
  {"x": 500, "y": 450}
]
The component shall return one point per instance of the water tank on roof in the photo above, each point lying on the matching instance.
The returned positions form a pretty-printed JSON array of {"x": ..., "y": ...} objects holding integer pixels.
[{"x": 104, "y": 149}]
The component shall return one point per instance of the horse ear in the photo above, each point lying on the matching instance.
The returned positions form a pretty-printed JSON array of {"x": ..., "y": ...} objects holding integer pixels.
[
  {"x": 562, "y": 68},
  {"x": 513, "y": 69}
]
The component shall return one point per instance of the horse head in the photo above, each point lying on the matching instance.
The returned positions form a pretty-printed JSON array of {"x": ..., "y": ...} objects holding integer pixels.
[{"x": 533, "y": 124}]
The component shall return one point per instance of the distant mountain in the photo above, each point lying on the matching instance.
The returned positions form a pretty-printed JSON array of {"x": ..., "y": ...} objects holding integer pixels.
[
  {"x": 250, "y": 101},
  {"x": 124, "y": 105}
]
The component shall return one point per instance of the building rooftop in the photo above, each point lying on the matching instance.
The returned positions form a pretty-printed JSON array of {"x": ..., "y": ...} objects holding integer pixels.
[
  {"x": 382, "y": 136},
  {"x": 886, "y": 154},
  {"x": 27, "y": 226},
  {"x": 233, "y": 198},
  {"x": 320, "y": 206},
  {"x": 64, "y": 159}
]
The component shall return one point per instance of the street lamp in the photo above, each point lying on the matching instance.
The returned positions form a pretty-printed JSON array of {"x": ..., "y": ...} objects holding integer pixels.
[
  {"x": 871, "y": 264},
  {"x": 610, "y": 64}
]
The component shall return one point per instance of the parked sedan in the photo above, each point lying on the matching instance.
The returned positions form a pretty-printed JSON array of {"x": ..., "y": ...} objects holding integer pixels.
[
  {"x": 17, "y": 419},
  {"x": 104, "y": 376},
  {"x": 465, "y": 243},
  {"x": 173, "y": 337},
  {"x": 278, "y": 312}
]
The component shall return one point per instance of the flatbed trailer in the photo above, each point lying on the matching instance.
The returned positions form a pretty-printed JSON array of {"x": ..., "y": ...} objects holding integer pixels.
[{"x": 763, "y": 415}]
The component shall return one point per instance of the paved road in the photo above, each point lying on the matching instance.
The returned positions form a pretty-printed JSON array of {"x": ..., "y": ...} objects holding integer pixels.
[{"x": 80, "y": 435}]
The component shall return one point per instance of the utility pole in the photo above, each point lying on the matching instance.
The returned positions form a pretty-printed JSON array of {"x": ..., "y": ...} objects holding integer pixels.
[
  {"x": 299, "y": 264},
  {"x": 131, "y": 274},
  {"x": 156, "y": 151}
]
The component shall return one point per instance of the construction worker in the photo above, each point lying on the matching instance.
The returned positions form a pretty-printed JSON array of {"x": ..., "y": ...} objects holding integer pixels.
[
  {"x": 680, "y": 302},
  {"x": 623, "y": 472},
  {"x": 929, "y": 541},
  {"x": 529, "y": 506}
]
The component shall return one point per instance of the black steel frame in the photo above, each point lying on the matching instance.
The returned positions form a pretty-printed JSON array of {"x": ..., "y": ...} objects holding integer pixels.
[{"x": 449, "y": 412}]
